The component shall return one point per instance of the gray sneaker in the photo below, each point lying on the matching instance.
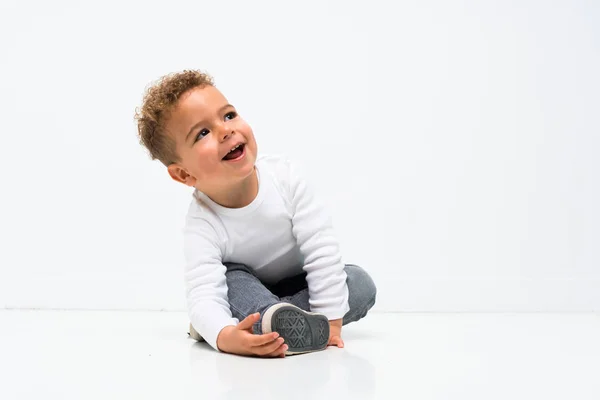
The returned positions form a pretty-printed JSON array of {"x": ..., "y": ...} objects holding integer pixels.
[{"x": 301, "y": 330}]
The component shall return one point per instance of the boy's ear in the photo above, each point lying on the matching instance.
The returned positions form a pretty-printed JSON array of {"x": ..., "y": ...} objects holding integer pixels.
[{"x": 179, "y": 174}]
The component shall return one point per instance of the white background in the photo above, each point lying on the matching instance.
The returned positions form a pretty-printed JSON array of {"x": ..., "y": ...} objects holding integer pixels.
[{"x": 455, "y": 142}]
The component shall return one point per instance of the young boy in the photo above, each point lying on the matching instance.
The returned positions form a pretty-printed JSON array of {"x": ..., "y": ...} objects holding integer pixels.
[{"x": 259, "y": 247}]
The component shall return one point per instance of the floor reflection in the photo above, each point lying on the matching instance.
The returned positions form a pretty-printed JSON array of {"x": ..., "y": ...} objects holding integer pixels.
[{"x": 333, "y": 372}]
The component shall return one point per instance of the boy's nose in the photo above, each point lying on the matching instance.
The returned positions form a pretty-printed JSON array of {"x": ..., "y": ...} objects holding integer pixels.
[{"x": 225, "y": 133}]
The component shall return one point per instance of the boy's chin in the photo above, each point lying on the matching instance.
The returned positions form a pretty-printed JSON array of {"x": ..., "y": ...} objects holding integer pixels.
[{"x": 239, "y": 168}]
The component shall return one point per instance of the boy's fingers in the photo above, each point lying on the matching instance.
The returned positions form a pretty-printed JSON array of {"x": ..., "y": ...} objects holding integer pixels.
[
  {"x": 247, "y": 322},
  {"x": 336, "y": 341},
  {"x": 268, "y": 348},
  {"x": 279, "y": 352},
  {"x": 261, "y": 340}
]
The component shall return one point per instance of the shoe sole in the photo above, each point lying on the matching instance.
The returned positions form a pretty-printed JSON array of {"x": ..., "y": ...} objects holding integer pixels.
[{"x": 302, "y": 331}]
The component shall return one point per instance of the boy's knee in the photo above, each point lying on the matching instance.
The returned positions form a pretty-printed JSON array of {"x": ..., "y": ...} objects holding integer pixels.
[
  {"x": 237, "y": 276},
  {"x": 361, "y": 288},
  {"x": 235, "y": 267}
]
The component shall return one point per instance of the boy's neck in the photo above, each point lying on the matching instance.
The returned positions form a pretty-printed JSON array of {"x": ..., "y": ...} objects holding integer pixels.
[{"x": 239, "y": 195}]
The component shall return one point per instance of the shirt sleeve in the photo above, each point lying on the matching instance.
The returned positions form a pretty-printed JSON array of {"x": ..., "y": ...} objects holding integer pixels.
[
  {"x": 312, "y": 227},
  {"x": 206, "y": 285}
]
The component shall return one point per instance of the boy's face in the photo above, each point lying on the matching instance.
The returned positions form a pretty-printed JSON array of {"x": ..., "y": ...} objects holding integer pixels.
[{"x": 206, "y": 128}]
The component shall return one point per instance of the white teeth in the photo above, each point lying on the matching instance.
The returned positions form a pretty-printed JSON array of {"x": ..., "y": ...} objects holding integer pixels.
[{"x": 235, "y": 147}]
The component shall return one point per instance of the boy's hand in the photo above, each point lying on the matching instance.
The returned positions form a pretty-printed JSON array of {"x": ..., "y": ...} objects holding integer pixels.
[
  {"x": 240, "y": 340},
  {"x": 335, "y": 333}
]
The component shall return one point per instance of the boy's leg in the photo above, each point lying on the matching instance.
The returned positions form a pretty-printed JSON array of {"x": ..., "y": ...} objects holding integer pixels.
[
  {"x": 361, "y": 292},
  {"x": 303, "y": 332},
  {"x": 246, "y": 293}
]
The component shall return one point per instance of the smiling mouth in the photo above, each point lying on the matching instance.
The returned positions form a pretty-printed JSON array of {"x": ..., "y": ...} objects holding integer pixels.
[{"x": 235, "y": 152}]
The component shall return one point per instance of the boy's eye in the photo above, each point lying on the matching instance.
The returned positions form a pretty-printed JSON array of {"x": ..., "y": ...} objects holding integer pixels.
[
  {"x": 201, "y": 134},
  {"x": 230, "y": 115}
]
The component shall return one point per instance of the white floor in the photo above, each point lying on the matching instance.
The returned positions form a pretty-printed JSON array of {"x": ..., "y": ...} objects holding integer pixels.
[{"x": 147, "y": 355}]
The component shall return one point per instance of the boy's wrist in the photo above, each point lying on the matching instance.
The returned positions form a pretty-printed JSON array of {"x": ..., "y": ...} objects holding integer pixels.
[
  {"x": 336, "y": 322},
  {"x": 335, "y": 333},
  {"x": 223, "y": 338}
]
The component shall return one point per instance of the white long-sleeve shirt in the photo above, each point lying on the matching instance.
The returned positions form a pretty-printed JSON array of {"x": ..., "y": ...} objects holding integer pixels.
[{"x": 282, "y": 232}]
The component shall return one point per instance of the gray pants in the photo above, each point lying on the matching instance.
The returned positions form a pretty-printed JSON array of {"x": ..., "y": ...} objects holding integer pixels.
[{"x": 247, "y": 294}]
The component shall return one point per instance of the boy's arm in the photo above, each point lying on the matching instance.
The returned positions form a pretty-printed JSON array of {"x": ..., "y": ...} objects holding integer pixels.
[
  {"x": 206, "y": 286},
  {"x": 312, "y": 227},
  {"x": 208, "y": 306}
]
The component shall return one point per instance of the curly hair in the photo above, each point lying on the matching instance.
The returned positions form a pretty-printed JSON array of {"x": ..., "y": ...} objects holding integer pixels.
[{"x": 159, "y": 100}]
